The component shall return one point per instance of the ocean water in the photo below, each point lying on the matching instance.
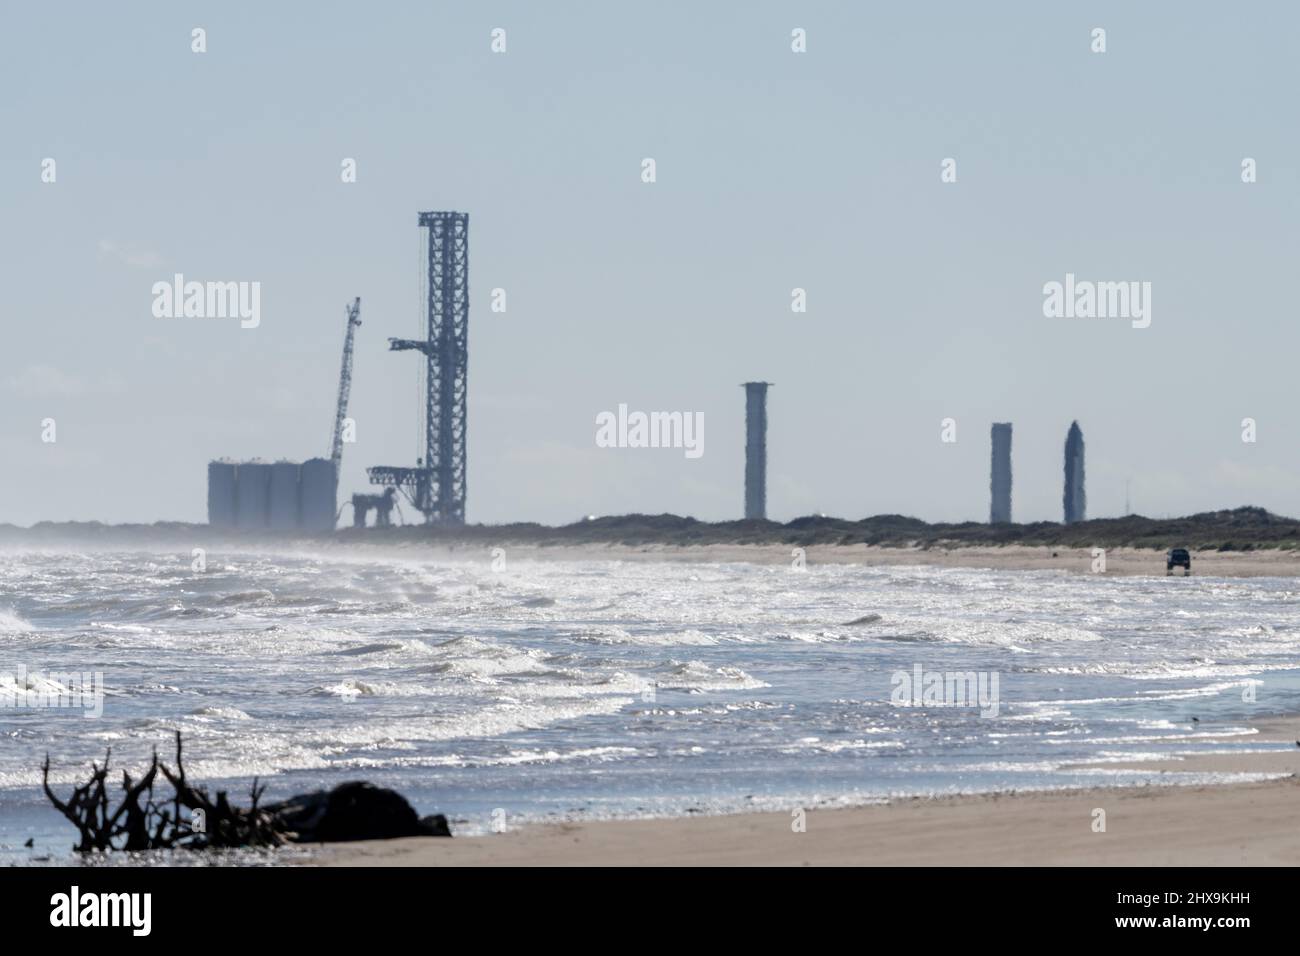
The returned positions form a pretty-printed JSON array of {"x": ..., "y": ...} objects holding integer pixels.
[{"x": 561, "y": 688}]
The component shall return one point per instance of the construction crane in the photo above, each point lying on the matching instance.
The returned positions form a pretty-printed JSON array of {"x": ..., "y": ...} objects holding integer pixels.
[{"x": 345, "y": 385}]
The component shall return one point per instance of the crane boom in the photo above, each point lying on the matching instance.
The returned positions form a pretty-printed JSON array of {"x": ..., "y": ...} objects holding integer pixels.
[{"x": 345, "y": 385}]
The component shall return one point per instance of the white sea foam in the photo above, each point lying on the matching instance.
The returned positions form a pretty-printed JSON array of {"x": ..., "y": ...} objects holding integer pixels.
[
  {"x": 222, "y": 713},
  {"x": 11, "y": 623},
  {"x": 698, "y": 677},
  {"x": 643, "y": 680}
]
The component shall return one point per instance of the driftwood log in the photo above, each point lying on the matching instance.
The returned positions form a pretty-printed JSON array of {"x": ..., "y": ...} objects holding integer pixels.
[{"x": 140, "y": 821}]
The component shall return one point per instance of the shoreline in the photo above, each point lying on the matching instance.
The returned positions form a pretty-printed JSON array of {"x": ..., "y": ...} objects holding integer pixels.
[
  {"x": 1119, "y": 562},
  {"x": 1252, "y": 824},
  {"x": 1246, "y": 530},
  {"x": 1235, "y": 823}
]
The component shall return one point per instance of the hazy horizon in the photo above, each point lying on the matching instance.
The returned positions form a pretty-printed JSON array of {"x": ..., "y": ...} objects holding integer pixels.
[{"x": 775, "y": 170}]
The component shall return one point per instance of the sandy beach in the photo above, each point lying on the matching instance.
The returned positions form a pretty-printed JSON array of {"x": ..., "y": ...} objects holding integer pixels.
[
  {"x": 487, "y": 540},
  {"x": 1119, "y": 561},
  {"x": 1255, "y": 824},
  {"x": 1126, "y": 562}
]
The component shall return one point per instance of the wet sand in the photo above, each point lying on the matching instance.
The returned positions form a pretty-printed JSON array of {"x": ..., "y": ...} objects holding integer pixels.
[{"x": 1256, "y": 824}]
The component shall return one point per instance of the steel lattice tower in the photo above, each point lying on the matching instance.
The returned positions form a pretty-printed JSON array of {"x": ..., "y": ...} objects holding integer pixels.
[{"x": 437, "y": 486}]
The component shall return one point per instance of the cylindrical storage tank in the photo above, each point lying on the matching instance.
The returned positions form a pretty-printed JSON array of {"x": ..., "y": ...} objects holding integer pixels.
[
  {"x": 253, "y": 496},
  {"x": 221, "y": 494},
  {"x": 284, "y": 496},
  {"x": 318, "y": 486}
]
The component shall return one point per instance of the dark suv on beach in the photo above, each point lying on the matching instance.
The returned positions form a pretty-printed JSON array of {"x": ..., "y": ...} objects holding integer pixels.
[{"x": 1178, "y": 558}]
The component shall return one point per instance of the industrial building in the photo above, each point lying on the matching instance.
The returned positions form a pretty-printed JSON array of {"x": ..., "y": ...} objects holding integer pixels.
[
  {"x": 1076, "y": 500},
  {"x": 288, "y": 495},
  {"x": 1000, "y": 478},
  {"x": 285, "y": 495},
  {"x": 279, "y": 496},
  {"x": 221, "y": 494}
]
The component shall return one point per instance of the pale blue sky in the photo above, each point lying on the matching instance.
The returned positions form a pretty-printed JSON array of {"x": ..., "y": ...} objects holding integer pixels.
[{"x": 775, "y": 170}]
